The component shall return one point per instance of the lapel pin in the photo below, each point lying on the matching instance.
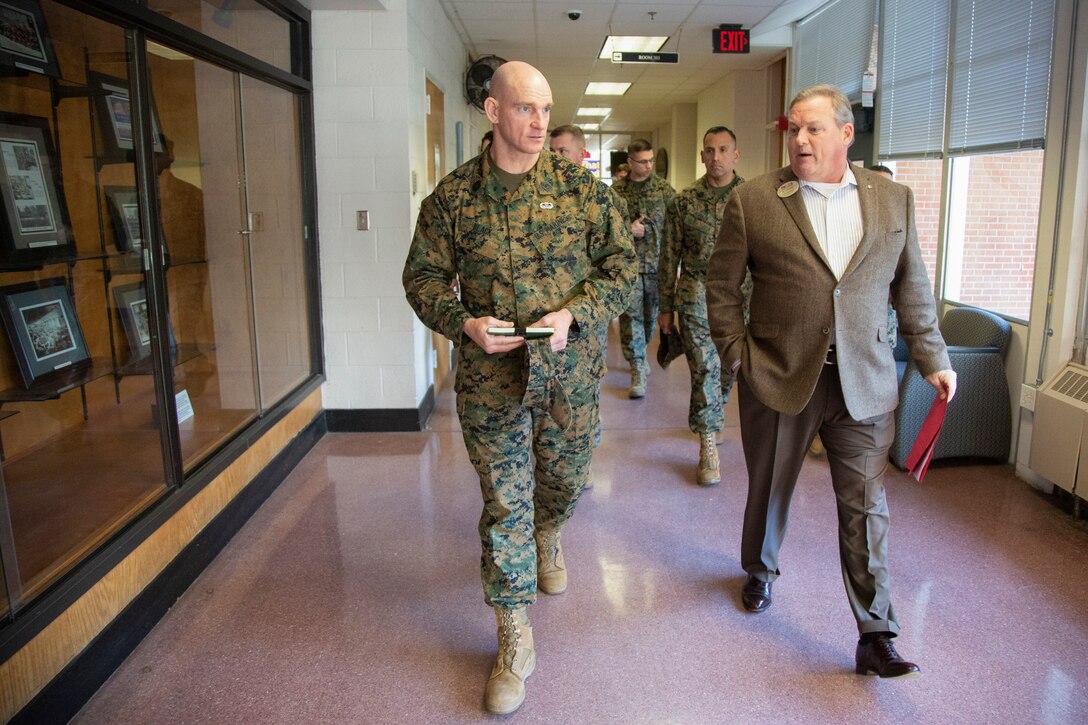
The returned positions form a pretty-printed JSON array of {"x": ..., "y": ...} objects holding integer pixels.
[
  {"x": 788, "y": 189},
  {"x": 546, "y": 205}
]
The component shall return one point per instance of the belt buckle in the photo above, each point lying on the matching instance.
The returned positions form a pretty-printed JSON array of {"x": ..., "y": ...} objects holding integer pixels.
[{"x": 830, "y": 357}]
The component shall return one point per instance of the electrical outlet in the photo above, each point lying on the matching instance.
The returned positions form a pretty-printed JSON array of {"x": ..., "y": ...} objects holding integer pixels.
[
  {"x": 1027, "y": 397},
  {"x": 362, "y": 220}
]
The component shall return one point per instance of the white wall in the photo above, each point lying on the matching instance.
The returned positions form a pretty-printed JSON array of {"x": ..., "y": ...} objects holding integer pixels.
[
  {"x": 739, "y": 101},
  {"x": 369, "y": 71},
  {"x": 683, "y": 166},
  {"x": 436, "y": 53}
]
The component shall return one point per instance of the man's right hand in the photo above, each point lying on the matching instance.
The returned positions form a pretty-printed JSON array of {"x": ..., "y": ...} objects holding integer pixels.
[
  {"x": 638, "y": 229},
  {"x": 476, "y": 329},
  {"x": 664, "y": 321}
]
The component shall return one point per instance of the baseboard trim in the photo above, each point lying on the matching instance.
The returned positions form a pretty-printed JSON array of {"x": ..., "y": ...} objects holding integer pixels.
[
  {"x": 70, "y": 690},
  {"x": 377, "y": 420}
]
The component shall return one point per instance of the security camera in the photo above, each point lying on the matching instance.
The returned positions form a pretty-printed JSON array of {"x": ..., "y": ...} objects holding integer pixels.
[{"x": 574, "y": 14}]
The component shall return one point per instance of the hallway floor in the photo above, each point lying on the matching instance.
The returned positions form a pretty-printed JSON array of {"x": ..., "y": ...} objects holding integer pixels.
[{"x": 353, "y": 595}]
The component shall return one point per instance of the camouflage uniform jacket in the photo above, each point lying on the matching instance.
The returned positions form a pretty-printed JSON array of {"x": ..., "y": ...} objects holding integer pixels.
[
  {"x": 557, "y": 241},
  {"x": 651, "y": 200},
  {"x": 690, "y": 232}
]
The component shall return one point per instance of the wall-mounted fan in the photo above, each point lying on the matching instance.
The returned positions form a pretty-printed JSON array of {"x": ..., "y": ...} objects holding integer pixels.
[{"x": 478, "y": 79}]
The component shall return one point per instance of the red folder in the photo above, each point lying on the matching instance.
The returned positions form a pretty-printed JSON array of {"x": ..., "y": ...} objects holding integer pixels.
[{"x": 922, "y": 452}]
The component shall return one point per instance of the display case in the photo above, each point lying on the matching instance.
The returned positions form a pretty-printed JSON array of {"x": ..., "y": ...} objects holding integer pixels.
[{"x": 153, "y": 276}]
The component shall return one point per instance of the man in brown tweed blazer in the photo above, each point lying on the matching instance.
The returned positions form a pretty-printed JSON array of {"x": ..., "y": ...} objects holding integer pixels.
[{"x": 826, "y": 244}]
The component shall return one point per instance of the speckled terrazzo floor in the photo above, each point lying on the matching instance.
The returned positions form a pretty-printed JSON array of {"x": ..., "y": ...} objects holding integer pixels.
[{"x": 353, "y": 595}]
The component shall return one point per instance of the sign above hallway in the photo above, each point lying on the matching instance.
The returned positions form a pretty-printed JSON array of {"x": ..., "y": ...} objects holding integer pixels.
[
  {"x": 731, "y": 39},
  {"x": 619, "y": 57}
]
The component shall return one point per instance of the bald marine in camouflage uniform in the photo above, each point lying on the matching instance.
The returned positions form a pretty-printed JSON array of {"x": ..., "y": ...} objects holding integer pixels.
[
  {"x": 690, "y": 232},
  {"x": 647, "y": 196},
  {"x": 536, "y": 242}
]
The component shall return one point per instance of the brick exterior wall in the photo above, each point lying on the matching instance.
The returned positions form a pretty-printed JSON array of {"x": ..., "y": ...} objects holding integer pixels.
[
  {"x": 924, "y": 178},
  {"x": 1001, "y": 228}
]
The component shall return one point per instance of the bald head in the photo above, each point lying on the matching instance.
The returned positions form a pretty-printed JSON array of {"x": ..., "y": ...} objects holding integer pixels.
[
  {"x": 513, "y": 75},
  {"x": 519, "y": 107}
]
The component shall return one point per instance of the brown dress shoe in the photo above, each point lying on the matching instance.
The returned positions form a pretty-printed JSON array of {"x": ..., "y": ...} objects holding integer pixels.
[
  {"x": 876, "y": 655},
  {"x": 756, "y": 595}
]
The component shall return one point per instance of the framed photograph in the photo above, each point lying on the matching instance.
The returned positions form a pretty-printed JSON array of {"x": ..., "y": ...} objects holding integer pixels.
[
  {"x": 114, "y": 110},
  {"x": 125, "y": 218},
  {"x": 43, "y": 329},
  {"x": 24, "y": 39},
  {"x": 131, "y": 302},
  {"x": 35, "y": 227},
  {"x": 124, "y": 209}
]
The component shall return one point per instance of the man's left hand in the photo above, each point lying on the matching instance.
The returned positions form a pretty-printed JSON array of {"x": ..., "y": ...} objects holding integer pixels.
[
  {"x": 945, "y": 383},
  {"x": 561, "y": 321}
]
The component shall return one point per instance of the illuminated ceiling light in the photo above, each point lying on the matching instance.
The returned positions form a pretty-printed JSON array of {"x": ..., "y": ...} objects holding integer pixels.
[
  {"x": 593, "y": 112},
  {"x": 607, "y": 89},
  {"x": 632, "y": 43},
  {"x": 589, "y": 126}
]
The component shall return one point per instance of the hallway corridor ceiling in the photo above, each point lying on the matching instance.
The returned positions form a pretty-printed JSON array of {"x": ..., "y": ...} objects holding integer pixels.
[{"x": 540, "y": 32}]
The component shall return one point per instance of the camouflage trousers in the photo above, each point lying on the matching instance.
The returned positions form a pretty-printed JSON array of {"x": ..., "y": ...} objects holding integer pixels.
[
  {"x": 708, "y": 395},
  {"x": 638, "y": 321},
  {"x": 532, "y": 472},
  {"x": 709, "y": 387}
]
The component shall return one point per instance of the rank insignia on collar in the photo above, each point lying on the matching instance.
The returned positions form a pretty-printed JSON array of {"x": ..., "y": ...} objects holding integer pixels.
[
  {"x": 788, "y": 189},
  {"x": 546, "y": 205}
]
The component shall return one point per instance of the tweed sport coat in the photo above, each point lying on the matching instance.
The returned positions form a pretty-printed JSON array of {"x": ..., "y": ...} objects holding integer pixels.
[{"x": 798, "y": 308}]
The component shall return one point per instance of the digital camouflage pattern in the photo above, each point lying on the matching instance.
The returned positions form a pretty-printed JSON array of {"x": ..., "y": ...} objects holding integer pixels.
[
  {"x": 690, "y": 232},
  {"x": 519, "y": 499},
  {"x": 557, "y": 241},
  {"x": 650, "y": 200}
]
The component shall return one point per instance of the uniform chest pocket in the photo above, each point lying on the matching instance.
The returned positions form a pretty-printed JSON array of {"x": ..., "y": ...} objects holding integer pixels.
[
  {"x": 478, "y": 242},
  {"x": 559, "y": 238},
  {"x": 701, "y": 228},
  {"x": 479, "y": 260}
]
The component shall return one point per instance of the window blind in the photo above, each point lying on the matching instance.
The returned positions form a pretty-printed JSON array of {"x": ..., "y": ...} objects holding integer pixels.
[
  {"x": 1000, "y": 75},
  {"x": 832, "y": 46},
  {"x": 911, "y": 91}
]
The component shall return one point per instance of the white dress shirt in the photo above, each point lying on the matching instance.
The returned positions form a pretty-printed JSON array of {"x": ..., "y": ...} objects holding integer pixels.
[{"x": 835, "y": 213}]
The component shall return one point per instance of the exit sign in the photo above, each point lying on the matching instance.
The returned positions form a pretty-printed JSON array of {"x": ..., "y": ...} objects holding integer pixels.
[{"x": 731, "y": 39}]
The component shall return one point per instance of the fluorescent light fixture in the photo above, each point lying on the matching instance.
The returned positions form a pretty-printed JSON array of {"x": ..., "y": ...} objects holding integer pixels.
[
  {"x": 607, "y": 89},
  {"x": 632, "y": 43},
  {"x": 589, "y": 126},
  {"x": 593, "y": 112}
]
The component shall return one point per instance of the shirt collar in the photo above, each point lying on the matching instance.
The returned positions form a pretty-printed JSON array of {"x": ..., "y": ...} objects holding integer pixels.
[{"x": 827, "y": 189}]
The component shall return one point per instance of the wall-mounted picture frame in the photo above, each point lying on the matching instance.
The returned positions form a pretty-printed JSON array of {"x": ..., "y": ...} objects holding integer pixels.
[
  {"x": 124, "y": 210},
  {"x": 24, "y": 39},
  {"x": 113, "y": 106},
  {"x": 43, "y": 329},
  {"x": 35, "y": 228},
  {"x": 131, "y": 300},
  {"x": 124, "y": 207}
]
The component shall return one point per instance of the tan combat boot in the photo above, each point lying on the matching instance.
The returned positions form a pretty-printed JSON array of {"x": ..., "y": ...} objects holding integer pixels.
[
  {"x": 709, "y": 467},
  {"x": 517, "y": 658},
  {"x": 639, "y": 373},
  {"x": 551, "y": 570}
]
